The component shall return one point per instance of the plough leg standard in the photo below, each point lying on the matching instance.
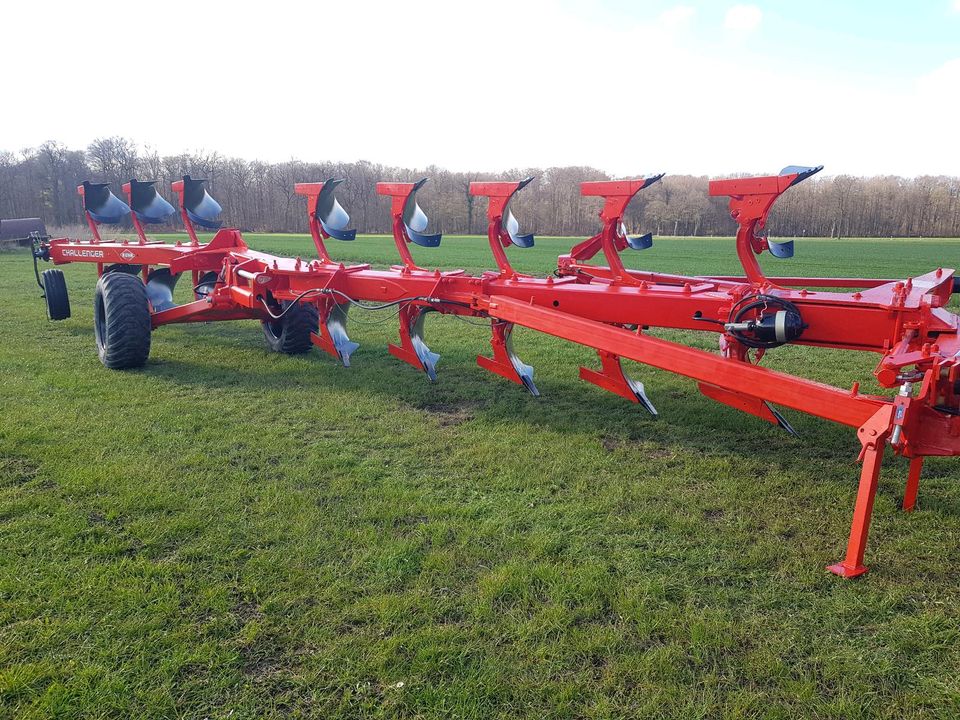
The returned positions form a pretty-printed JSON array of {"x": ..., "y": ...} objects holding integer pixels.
[{"x": 302, "y": 303}]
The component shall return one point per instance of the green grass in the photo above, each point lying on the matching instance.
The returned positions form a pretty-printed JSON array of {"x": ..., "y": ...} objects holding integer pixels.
[{"x": 232, "y": 533}]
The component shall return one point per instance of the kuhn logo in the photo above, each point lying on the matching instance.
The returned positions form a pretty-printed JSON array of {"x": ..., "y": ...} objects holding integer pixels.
[
  {"x": 127, "y": 254},
  {"x": 83, "y": 253}
]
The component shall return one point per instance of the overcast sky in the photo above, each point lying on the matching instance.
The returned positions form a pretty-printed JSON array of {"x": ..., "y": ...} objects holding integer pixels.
[{"x": 863, "y": 87}]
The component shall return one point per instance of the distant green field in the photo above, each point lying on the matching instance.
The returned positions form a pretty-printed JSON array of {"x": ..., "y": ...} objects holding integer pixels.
[
  {"x": 230, "y": 533},
  {"x": 895, "y": 257}
]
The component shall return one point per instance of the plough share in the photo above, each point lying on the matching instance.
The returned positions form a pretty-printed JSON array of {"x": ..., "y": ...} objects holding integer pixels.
[{"x": 302, "y": 303}]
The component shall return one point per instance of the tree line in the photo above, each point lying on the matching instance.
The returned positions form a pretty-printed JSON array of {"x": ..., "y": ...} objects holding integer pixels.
[{"x": 259, "y": 196}]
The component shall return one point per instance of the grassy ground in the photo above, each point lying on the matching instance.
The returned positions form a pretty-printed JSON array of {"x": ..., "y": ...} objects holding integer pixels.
[{"x": 232, "y": 533}]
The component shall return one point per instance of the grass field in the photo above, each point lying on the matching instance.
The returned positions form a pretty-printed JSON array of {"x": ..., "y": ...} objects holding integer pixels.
[{"x": 229, "y": 533}]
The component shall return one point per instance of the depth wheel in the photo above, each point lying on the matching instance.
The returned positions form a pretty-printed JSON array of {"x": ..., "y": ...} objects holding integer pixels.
[
  {"x": 121, "y": 321},
  {"x": 291, "y": 333},
  {"x": 55, "y": 293}
]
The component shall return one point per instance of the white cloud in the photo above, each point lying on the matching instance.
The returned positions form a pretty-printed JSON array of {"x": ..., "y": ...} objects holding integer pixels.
[
  {"x": 744, "y": 18},
  {"x": 956, "y": 6},
  {"x": 681, "y": 16}
]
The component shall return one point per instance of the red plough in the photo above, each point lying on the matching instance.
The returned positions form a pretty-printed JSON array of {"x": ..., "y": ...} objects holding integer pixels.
[{"x": 302, "y": 303}]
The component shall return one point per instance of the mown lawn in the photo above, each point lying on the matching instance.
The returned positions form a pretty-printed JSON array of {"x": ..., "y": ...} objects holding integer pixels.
[{"x": 233, "y": 533}]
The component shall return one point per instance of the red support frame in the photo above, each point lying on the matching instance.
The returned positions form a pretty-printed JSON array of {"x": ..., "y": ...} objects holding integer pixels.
[
  {"x": 611, "y": 240},
  {"x": 605, "y": 308},
  {"x": 177, "y": 187},
  {"x": 499, "y": 195},
  {"x": 89, "y": 218},
  {"x": 398, "y": 193}
]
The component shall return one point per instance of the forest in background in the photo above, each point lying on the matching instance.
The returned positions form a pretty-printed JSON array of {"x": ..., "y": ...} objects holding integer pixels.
[{"x": 259, "y": 196}]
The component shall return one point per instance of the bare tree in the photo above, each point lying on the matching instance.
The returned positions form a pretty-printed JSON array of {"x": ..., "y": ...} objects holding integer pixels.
[
  {"x": 113, "y": 159},
  {"x": 260, "y": 196}
]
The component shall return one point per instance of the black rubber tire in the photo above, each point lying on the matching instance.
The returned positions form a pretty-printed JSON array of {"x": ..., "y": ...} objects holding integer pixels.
[
  {"x": 122, "y": 267},
  {"x": 291, "y": 333},
  {"x": 121, "y": 321},
  {"x": 55, "y": 293}
]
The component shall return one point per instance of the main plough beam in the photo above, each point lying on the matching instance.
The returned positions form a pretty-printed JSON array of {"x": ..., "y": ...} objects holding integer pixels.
[
  {"x": 807, "y": 396},
  {"x": 872, "y": 320}
]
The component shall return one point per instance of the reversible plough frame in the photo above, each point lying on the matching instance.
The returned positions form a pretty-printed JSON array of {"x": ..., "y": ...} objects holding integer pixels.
[{"x": 306, "y": 302}]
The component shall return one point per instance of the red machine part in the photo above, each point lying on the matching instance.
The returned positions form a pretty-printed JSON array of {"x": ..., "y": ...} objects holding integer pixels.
[
  {"x": 178, "y": 187},
  {"x": 500, "y": 236},
  {"x": 612, "y": 238},
  {"x": 91, "y": 223},
  {"x": 604, "y": 307}
]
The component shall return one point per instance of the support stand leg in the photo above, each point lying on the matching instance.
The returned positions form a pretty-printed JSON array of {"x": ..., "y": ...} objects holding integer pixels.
[
  {"x": 913, "y": 483},
  {"x": 852, "y": 565}
]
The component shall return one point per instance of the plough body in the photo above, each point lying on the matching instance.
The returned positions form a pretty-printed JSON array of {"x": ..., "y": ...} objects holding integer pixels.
[{"x": 607, "y": 308}]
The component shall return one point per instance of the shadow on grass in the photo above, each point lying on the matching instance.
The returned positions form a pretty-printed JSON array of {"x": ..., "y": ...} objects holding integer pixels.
[{"x": 461, "y": 397}]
